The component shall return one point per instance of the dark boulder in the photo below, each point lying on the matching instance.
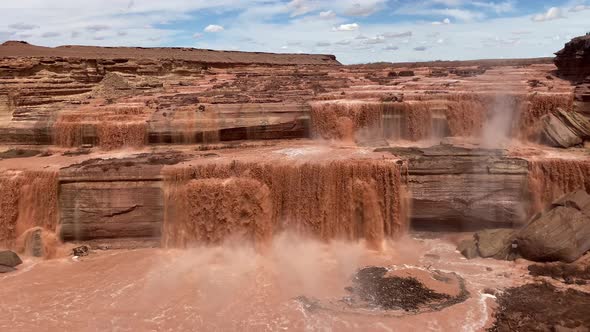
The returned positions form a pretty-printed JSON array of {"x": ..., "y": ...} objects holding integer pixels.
[
  {"x": 81, "y": 251},
  {"x": 6, "y": 269},
  {"x": 9, "y": 258}
]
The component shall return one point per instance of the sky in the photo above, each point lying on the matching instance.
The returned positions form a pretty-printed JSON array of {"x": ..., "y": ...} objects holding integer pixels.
[{"x": 356, "y": 31}]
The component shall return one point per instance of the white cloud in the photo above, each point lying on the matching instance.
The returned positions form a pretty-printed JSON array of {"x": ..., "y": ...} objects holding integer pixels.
[
  {"x": 391, "y": 48},
  {"x": 327, "y": 14},
  {"x": 397, "y": 35},
  {"x": 300, "y": 7},
  {"x": 445, "y": 21},
  {"x": 420, "y": 48},
  {"x": 499, "y": 8},
  {"x": 346, "y": 27},
  {"x": 213, "y": 28},
  {"x": 23, "y": 26},
  {"x": 50, "y": 34},
  {"x": 579, "y": 8},
  {"x": 323, "y": 44},
  {"x": 197, "y": 35},
  {"x": 375, "y": 40},
  {"x": 97, "y": 27},
  {"x": 552, "y": 14},
  {"x": 364, "y": 8},
  {"x": 343, "y": 42}
]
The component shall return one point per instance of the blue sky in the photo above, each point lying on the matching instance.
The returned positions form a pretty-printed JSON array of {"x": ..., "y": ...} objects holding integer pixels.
[{"x": 356, "y": 31}]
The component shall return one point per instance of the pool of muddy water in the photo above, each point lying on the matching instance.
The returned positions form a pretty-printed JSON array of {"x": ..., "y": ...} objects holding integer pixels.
[{"x": 232, "y": 287}]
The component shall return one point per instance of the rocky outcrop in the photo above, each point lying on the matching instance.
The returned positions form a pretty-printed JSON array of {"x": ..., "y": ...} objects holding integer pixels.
[
  {"x": 560, "y": 234},
  {"x": 8, "y": 261},
  {"x": 492, "y": 243},
  {"x": 558, "y": 134},
  {"x": 574, "y": 59}
]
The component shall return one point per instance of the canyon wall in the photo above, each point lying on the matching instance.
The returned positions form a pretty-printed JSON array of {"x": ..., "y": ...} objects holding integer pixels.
[{"x": 190, "y": 147}]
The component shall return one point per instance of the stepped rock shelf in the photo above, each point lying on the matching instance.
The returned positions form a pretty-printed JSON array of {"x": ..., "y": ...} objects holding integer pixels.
[{"x": 111, "y": 144}]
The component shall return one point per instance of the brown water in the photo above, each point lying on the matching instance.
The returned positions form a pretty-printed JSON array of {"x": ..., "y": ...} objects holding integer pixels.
[
  {"x": 232, "y": 287},
  {"x": 29, "y": 199},
  {"x": 549, "y": 179},
  {"x": 466, "y": 115},
  {"x": 343, "y": 199},
  {"x": 107, "y": 127}
]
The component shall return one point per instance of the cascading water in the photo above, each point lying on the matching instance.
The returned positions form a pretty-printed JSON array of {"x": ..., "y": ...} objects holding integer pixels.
[{"x": 339, "y": 199}]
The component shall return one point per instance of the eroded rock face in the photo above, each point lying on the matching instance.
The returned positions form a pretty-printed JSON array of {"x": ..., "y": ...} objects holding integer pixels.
[{"x": 574, "y": 59}]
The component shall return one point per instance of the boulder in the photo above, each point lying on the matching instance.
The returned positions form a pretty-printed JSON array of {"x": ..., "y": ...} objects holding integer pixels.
[
  {"x": 578, "y": 199},
  {"x": 468, "y": 248},
  {"x": 9, "y": 258},
  {"x": 6, "y": 269},
  {"x": 81, "y": 251},
  {"x": 496, "y": 243},
  {"x": 561, "y": 234}
]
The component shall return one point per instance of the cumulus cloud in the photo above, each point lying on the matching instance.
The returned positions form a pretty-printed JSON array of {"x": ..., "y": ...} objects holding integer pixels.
[
  {"x": 552, "y": 14},
  {"x": 197, "y": 35},
  {"x": 346, "y": 27},
  {"x": 329, "y": 14},
  {"x": 445, "y": 21},
  {"x": 213, "y": 28},
  {"x": 97, "y": 27},
  {"x": 50, "y": 34},
  {"x": 23, "y": 26}
]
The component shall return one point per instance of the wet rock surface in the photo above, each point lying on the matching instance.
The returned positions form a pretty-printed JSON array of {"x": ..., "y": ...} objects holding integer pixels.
[
  {"x": 542, "y": 307},
  {"x": 372, "y": 286},
  {"x": 384, "y": 291},
  {"x": 81, "y": 251}
]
